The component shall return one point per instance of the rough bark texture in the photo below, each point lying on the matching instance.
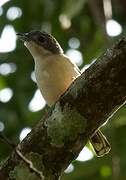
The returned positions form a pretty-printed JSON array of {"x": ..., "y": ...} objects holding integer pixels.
[{"x": 64, "y": 130}]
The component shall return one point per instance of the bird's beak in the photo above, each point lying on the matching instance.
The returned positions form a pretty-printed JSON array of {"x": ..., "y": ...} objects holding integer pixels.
[{"x": 24, "y": 36}]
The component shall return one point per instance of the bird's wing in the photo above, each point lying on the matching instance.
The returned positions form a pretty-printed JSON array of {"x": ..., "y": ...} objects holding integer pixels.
[{"x": 70, "y": 61}]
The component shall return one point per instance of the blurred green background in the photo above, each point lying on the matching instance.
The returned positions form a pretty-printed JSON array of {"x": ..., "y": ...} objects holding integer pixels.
[{"x": 84, "y": 28}]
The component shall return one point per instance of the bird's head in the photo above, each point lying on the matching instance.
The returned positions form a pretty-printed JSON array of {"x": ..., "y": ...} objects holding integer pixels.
[{"x": 40, "y": 43}]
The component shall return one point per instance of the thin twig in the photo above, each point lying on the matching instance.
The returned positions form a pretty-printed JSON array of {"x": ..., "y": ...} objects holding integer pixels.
[{"x": 29, "y": 163}]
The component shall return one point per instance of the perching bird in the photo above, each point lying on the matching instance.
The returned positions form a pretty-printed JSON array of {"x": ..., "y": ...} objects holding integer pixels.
[{"x": 54, "y": 74}]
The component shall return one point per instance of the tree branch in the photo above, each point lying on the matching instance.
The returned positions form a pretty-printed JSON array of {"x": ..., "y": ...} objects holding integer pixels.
[{"x": 58, "y": 138}]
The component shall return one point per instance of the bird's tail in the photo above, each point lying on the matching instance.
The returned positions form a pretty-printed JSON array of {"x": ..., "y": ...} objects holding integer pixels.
[{"x": 100, "y": 144}]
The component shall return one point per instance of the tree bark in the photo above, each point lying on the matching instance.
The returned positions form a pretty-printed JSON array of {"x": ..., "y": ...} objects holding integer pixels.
[{"x": 60, "y": 135}]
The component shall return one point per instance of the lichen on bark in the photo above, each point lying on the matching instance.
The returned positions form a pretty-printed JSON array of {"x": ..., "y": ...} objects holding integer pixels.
[{"x": 64, "y": 125}]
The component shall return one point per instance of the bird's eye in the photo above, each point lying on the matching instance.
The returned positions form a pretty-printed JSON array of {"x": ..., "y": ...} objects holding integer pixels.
[{"x": 41, "y": 39}]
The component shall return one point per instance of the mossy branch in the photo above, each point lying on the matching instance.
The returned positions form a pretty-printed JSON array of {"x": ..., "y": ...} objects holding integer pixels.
[{"x": 58, "y": 138}]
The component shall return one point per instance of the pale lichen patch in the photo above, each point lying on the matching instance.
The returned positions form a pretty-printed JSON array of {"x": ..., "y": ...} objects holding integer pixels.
[
  {"x": 22, "y": 172},
  {"x": 30, "y": 166},
  {"x": 64, "y": 125}
]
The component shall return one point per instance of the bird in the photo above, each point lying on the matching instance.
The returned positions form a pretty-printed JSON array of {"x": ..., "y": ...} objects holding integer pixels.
[{"x": 54, "y": 73}]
